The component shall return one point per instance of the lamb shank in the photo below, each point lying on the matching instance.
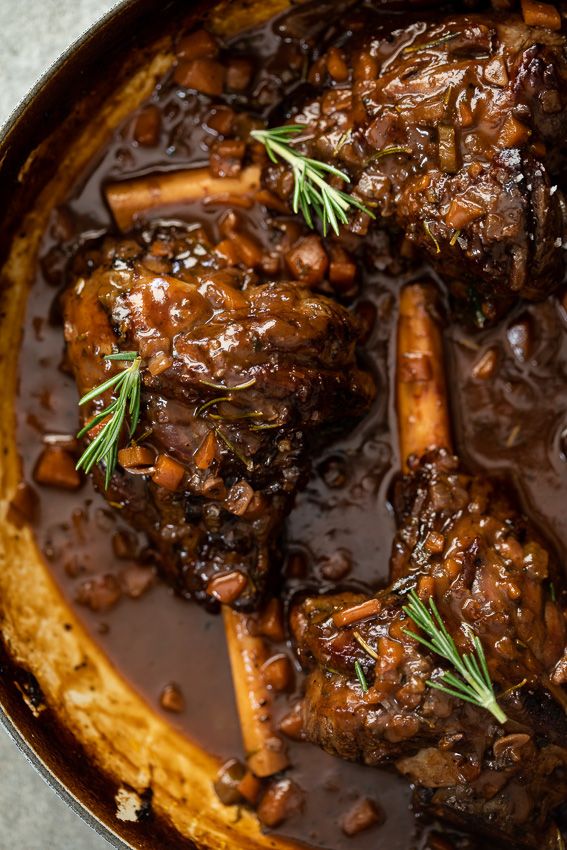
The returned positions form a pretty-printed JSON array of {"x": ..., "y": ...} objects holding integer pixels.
[
  {"x": 237, "y": 381},
  {"x": 462, "y": 542},
  {"x": 451, "y": 131}
]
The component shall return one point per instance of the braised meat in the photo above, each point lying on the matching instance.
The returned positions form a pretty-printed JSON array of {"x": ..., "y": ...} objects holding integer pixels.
[
  {"x": 452, "y": 131},
  {"x": 237, "y": 381},
  {"x": 462, "y": 543}
]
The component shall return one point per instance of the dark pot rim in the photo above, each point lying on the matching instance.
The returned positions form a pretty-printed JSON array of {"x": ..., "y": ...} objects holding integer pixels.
[
  {"x": 7, "y": 131},
  {"x": 44, "y": 742}
]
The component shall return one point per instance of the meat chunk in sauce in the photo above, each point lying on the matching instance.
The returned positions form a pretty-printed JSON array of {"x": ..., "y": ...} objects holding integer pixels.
[
  {"x": 462, "y": 543},
  {"x": 452, "y": 131},
  {"x": 238, "y": 379}
]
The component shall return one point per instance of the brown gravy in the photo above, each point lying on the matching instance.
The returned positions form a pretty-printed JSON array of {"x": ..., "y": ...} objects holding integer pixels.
[{"x": 514, "y": 422}]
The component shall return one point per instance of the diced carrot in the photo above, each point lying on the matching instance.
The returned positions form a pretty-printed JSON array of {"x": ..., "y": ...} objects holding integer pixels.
[
  {"x": 485, "y": 366},
  {"x": 365, "y": 66},
  {"x": 448, "y": 154},
  {"x": 307, "y": 260},
  {"x": 425, "y": 588},
  {"x": 239, "y": 73},
  {"x": 537, "y": 14},
  {"x": 171, "y": 698},
  {"x": 221, "y": 120},
  {"x": 248, "y": 248},
  {"x": 56, "y": 468},
  {"x": 462, "y": 211},
  {"x": 206, "y": 452},
  {"x": 355, "y": 613},
  {"x": 227, "y": 248},
  {"x": 465, "y": 114},
  {"x": 154, "y": 345},
  {"x": 391, "y": 653},
  {"x": 513, "y": 134},
  {"x": 147, "y": 126},
  {"x": 226, "y": 158},
  {"x": 239, "y": 497},
  {"x": 160, "y": 362},
  {"x": 292, "y": 723},
  {"x": 227, "y": 587},
  {"x": 219, "y": 289},
  {"x": 204, "y": 75},
  {"x": 197, "y": 45},
  {"x": 214, "y": 488},
  {"x": 135, "y": 456},
  {"x": 342, "y": 269},
  {"x": 495, "y": 72},
  {"x": 282, "y": 799},
  {"x": 277, "y": 673},
  {"x": 336, "y": 65},
  {"x": 269, "y": 621},
  {"x": 317, "y": 72},
  {"x": 435, "y": 542},
  {"x": 361, "y": 816},
  {"x": 168, "y": 473},
  {"x": 250, "y": 787}
]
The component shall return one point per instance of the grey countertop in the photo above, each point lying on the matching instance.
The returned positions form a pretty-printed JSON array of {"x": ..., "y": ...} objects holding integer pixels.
[{"x": 33, "y": 33}]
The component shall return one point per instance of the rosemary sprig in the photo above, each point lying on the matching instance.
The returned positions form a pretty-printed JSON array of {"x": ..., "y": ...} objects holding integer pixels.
[
  {"x": 473, "y": 683},
  {"x": 104, "y": 447},
  {"x": 311, "y": 193}
]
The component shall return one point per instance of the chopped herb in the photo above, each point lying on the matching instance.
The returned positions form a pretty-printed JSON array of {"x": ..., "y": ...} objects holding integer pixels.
[
  {"x": 210, "y": 403},
  {"x": 226, "y": 389},
  {"x": 342, "y": 141},
  {"x": 361, "y": 677},
  {"x": 266, "y": 426},
  {"x": 427, "y": 229},
  {"x": 473, "y": 683},
  {"x": 454, "y": 237},
  {"x": 366, "y": 646},
  {"x": 251, "y": 414},
  {"x": 246, "y": 461},
  {"x": 552, "y": 592},
  {"x": 104, "y": 447},
  {"x": 414, "y": 48},
  {"x": 312, "y": 193},
  {"x": 391, "y": 150},
  {"x": 515, "y": 687}
]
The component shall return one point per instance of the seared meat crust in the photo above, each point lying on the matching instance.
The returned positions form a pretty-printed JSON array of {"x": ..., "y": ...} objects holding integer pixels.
[
  {"x": 201, "y": 331},
  {"x": 461, "y": 542},
  {"x": 453, "y": 131}
]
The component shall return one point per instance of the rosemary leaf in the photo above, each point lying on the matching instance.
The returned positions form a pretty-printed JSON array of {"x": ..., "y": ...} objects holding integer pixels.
[
  {"x": 311, "y": 192},
  {"x": 473, "y": 683},
  {"x": 360, "y": 676},
  {"x": 104, "y": 447}
]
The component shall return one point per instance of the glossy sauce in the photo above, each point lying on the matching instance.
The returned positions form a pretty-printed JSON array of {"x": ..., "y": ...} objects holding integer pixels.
[{"x": 514, "y": 421}]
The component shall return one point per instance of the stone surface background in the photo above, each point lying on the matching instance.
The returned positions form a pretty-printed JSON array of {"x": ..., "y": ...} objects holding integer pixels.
[{"x": 33, "y": 33}]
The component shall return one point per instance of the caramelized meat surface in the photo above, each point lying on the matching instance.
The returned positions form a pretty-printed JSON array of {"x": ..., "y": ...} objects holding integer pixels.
[
  {"x": 462, "y": 543},
  {"x": 237, "y": 381},
  {"x": 451, "y": 131}
]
